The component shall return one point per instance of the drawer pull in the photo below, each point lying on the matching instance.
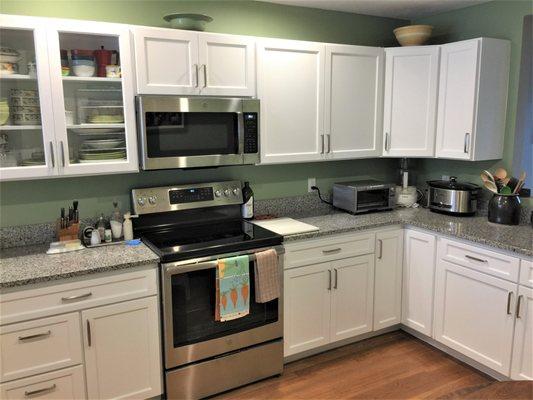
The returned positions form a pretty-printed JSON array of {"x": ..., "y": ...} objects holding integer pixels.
[
  {"x": 336, "y": 278},
  {"x": 40, "y": 391},
  {"x": 77, "y": 297},
  {"x": 475, "y": 258},
  {"x": 509, "y": 295},
  {"x": 36, "y": 336},
  {"x": 331, "y": 251},
  {"x": 89, "y": 336},
  {"x": 518, "y": 302}
]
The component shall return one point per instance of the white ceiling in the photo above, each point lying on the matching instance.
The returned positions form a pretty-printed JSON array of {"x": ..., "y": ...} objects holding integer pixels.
[{"x": 406, "y": 9}]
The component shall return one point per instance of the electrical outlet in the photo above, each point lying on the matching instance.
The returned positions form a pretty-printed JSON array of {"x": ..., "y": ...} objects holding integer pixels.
[
  {"x": 310, "y": 182},
  {"x": 445, "y": 177}
]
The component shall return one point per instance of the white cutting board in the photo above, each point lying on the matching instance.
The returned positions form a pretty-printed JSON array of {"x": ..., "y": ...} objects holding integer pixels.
[{"x": 286, "y": 226}]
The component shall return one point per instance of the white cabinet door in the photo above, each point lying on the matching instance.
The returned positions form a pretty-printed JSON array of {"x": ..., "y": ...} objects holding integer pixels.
[
  {"x": 100, "y": 107},
  {"x": 122, "y": 350},
  {"x": 474, "y": 314},
  {"x": 522, "y": 365},
  {"x": 457, "y": 99},
  {"x": 306, "y": 307},
  {"x": 354, "y": 100},
  {"x": 227, "y": 65},
  {"x": 166, "y": 61},
  {"x": 410, "y": 104},
  {"x": 352, "y": 297},
  {"x": 418, "y": 277},
  {"x": 388, "y": 279},
  {"x": 291, "y": 88},
  {"x": 26, "y": 120}
]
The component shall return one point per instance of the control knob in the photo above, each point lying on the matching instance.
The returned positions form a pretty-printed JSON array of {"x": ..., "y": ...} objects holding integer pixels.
[
  {"x": 235, "y": 192},
  {"x": 141, "y": 201},
  {"x": 152, "y": 199},
  {"x": 227, "y": 192},
  {"x": 218, "y": 193}
]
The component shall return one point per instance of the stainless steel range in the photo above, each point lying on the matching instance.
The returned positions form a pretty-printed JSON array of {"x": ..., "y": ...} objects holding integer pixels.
[{"x": 190, "y": 227}]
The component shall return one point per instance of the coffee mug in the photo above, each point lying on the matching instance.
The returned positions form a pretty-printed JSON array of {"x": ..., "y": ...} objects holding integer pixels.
[{"x": 112, "y": 71}]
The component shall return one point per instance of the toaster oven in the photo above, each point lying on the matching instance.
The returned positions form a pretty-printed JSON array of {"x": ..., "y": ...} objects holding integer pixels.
[{"x": 363, "y": 196}]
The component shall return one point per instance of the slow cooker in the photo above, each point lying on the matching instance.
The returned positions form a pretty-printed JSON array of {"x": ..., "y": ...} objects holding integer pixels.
[{"x": 453, "y": 197}]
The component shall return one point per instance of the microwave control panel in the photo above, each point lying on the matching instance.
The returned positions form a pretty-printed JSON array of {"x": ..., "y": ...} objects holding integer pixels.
[{"x": 250, "y": 132}]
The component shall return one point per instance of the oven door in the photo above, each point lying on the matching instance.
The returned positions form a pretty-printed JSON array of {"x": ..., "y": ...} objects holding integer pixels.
[
  {"x": 190, "y": 330},
  {"x": 179, "y": 132},
  {"x": 373, "y": 199}
]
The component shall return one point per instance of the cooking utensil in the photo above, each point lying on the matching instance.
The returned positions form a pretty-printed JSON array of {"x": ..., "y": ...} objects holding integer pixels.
[
  {"x": 500, "y": 174},
  {"x": 491, "y": 186},
  {"x": 505, "y": 190},
  {"x": 487, "y": 176},
  {"x": 521, "y": 181}
]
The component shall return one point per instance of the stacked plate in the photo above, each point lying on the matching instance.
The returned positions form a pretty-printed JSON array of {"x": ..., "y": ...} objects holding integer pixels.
[
  {"x": 25, "y": 108},
  {"x": 98, "y": 150},
  {"x": 37, "y": 158}
]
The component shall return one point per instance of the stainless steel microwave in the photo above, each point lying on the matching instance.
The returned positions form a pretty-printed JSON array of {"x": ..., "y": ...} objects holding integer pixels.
[{"x": 193, "y": 132}]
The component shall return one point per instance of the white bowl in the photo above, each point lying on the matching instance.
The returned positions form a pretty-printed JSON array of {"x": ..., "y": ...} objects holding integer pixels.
[
  {"x": 413, "y": 35},
  {"x": 83, "y": 70}
]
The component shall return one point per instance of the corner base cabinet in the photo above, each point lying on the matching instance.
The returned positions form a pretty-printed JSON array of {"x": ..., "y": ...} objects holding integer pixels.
[{"x": 522, "y": 366}]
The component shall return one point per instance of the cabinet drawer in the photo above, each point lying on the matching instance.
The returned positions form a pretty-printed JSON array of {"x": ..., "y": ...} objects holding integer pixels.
[
  {"x": 487, "y": 261},
  {"x": 65, "y": 384},
  {"x": 56, "y": 299},
  {"x": 38, "y": 346},
  {"x": 526, "y": 273},
  {"x": 325, "y": 249}
]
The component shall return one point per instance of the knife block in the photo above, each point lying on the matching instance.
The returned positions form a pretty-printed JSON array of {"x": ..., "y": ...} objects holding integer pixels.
[{"x": 70, "y": 233}]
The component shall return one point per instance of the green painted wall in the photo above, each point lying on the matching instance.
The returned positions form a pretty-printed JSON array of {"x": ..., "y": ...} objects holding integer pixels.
[
  {"x": 497, "y": 19},
  {"x": 27, "y": 202}
]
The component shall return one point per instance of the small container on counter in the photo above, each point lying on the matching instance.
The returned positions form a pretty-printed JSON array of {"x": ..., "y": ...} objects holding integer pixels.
[
  {"x": 108, "y": 238},
  {"x": 504, "y": 209}
]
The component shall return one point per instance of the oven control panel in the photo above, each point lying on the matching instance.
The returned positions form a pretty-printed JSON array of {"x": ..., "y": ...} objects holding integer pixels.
[{"x": 186, "y": 197}]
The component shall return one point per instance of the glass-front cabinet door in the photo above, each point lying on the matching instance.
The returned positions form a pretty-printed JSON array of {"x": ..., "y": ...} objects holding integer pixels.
[
  {"x": 92, "y": 85},
  {"x": 27, "y": 143}
]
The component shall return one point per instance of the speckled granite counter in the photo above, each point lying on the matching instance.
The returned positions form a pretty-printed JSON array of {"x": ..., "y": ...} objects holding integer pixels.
[
  {"x": 29, "y": 264},
  {"x": 517, "y": 239}
]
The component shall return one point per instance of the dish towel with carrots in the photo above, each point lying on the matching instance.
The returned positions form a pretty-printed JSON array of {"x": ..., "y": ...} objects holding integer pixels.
[
  {"x": 232, "y": 288},
  {"x": 267, "y": 279}
]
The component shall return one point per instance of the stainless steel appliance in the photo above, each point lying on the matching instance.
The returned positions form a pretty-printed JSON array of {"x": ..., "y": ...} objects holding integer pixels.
[
  {"x": 192, "y": 132},
  {"x": 452, "y": 197},
  {"x": 365, "y": 195},
  {"x": 190, "y": 227}
]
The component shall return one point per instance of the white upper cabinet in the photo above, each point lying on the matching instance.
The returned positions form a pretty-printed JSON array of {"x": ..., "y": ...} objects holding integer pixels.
[
  {"x": 418, "y": 277},
  {"x": 66, "y": 117},
  {"x": 166, "y": 61},
  {"x": 473, "y": 84},
  {"x": 411, "y": 78},
  {"x": 170, "y": 61},
  {"x": 354, "y": 100},
  {"x": 291, "y": 89},
  {"x": 227, "y": 65}
]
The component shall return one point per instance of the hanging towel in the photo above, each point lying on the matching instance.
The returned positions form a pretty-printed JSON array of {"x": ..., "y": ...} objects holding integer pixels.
[
  {"x": 267, "y": 284},
  {"x": 232, "y": 288}
]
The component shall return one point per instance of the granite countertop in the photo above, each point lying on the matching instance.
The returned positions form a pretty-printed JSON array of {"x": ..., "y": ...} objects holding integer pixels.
[
  {"x": 29, "y": 264},
  {"x": 517, "y": 239}
]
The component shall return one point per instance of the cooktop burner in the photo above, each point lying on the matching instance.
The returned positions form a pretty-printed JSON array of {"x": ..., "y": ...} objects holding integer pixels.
[{"x": 185, "y": 242}]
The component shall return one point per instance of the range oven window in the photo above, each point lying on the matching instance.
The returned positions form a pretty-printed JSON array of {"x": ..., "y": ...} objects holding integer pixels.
[
  {"x": 193, "y": 309},
  {"x": 368, "y": 199},
  {"x": 175, "y": 134}
]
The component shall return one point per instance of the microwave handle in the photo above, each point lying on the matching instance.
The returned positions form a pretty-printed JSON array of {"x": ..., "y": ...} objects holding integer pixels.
[{"x": 240, "y": 132}]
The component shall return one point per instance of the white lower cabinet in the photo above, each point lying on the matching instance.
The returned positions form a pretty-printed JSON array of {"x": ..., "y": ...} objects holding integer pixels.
[
  {"x": 418, "y": 277},
  {"x": 66, "y": 383},
  {"x": 474, "y": 314},
  {"x": 122, "y": 350},
  {"x": 306, "y": 308},
  {"x": 388, "y": 279},
  {"x": 522, "y": 365},
  {"x": 327, "y": 302}
]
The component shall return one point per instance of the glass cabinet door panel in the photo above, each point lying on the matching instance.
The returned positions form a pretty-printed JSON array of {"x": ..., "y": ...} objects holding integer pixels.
[{"x": 25, "y": 148}]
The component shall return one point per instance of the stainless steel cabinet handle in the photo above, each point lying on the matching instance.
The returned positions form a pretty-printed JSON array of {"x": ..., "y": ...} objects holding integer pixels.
[
  {"x": 322, "y": 151},
  {"x": 40, "y": 391},
  {"x": 329, "y": 143},
  {"x": 52, "y": 156},
  {"x": 77, "y": 297},
  {"x": 36, "y": 336},
  {"x": 475, "y": 258},
  {"x": 467, "y": 142},
  {"x": 62, "y": 153},
  {"x": 331, "y": 251},
  {"x": 380, "y": 253},
  {"x": 518, "y": 302},
  {"x": 205, "y": 75},
  {"x": 329, "y": 279},
  {"x": 197, "y": 79},
  {"x": 386, "y": 141},
  {"x": 336, "y": 278},
  {"x": 89, "y": 338},
  {"x": 509, "y": 295}
]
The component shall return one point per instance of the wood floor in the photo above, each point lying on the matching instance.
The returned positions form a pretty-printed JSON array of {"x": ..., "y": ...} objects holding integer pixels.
[{"x": 391, "y": 366}]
